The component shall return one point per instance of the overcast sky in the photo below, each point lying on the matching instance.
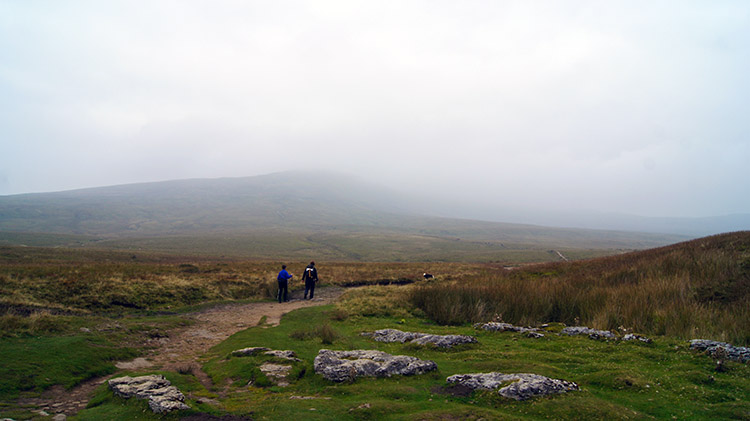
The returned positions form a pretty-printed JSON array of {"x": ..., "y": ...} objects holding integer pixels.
[{"x": 639, "y": 107}]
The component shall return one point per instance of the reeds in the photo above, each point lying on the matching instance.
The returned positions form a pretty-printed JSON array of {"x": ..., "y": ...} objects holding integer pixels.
[{"x": 696, "y": 289}]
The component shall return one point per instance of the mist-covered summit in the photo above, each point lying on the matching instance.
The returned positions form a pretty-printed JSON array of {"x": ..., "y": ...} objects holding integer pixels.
[
  {"x": 284, "y": 214},
  {"x": 289, "y": 199}
]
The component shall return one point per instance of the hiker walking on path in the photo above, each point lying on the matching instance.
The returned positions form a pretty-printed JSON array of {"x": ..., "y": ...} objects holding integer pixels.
[
  {"x": 283, "y": 279},
  {"x": 310, "y": 277}
]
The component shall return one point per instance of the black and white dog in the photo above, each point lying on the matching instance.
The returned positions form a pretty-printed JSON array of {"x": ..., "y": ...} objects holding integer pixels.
[{"x": 428, "y": 276}]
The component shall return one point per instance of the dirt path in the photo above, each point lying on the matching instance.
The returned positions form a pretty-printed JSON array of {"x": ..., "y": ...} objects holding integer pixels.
[{"x": 182, "y": 347}]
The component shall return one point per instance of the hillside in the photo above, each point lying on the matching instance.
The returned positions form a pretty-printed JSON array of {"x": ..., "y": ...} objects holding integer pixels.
[
  {"x": 699, "y": 287},
  {"x": 291, "y": 214}
]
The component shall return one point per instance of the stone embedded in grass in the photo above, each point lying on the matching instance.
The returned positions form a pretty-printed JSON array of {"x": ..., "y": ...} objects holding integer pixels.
[
  {"x": 723, "y": 349},
  {"x": 507, "y": 327},
  {"x": 286, "y": 355},
  {"x": 277, "y": 373},
  {"x": 592, "y": 333},
  {"x": 339, "y": 366},
  {"x": 441, "y": 341},
  {"x": 635, "y": 337},
  {"x": 244, "y": 352},
  {"x": 523, "y": 386},
  {"x": 162, "y": 396}
]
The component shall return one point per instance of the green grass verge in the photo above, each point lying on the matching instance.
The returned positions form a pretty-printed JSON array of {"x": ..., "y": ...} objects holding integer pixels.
[
  {"x": 36, "y": 363},
  {"x": 618, "y": 380}
]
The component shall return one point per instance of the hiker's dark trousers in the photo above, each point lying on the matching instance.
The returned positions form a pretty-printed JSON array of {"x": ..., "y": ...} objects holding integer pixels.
[
  {"x": 283, "y": 290},
  {"x": 309, "y": 287}
]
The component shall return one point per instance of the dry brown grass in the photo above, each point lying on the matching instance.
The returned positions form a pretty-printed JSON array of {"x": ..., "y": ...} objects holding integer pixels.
[{"x": 699, "y": 288}]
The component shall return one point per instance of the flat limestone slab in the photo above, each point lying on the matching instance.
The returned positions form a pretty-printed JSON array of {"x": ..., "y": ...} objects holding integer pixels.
[
  {"x": 523, "y": 385},
  {"x": 339, "y": 366},
  {"x": 441, "y": 341}
]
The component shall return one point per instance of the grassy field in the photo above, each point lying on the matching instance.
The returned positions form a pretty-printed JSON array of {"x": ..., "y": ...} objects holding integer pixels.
[
  {"x": 69, "y": 314},
  {"x": 663, "y": 380}
]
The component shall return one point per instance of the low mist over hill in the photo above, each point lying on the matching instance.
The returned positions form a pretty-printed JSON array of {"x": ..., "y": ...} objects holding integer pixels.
[{"x": 285, "y": 214}]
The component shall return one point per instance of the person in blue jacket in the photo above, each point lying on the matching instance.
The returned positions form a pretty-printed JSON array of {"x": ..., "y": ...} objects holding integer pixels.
[
  {"x": 310, "y": 277},
  {"x": 283, "y": 279}
]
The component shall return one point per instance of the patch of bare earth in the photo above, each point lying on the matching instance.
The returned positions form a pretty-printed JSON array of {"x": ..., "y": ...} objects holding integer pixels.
[{"x": 182, "y": 347}]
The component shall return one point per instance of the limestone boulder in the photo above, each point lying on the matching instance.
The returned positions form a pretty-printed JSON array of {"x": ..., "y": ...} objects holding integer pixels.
[
  {"x": 339, "y": 366},
  {"x": 721, "y": 349},
  {"x": 244, "y": 352},
  {"x": 505, "y": 327},
  {"x": 161, "y": 395},
  {"x": 592, "y": 333},
  {"x": 636, "y": 337},
  {"x": 441, "y": 341},
  {"x": 522, "y": 385}
]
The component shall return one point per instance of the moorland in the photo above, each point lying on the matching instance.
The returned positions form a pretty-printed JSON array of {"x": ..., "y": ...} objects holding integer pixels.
[
  {"x": 70, "y": 315},
  {"x": 171, "y": 278}
]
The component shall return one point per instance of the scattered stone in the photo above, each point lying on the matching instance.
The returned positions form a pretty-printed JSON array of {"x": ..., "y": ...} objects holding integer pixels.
[
  {"x": 136, "y": 364},
  {"x": 277, "y": 373},
  {"x": 161, "y": 395},
  {"x": 310, "y": 397},
  {"x": 42, "y": 413},
  {"x": 524, "y": 386},
  {"x": 363, "y": 406},
  {"x": 441, "y": 341},
  {"x": 721, "y": 350},
  {"x": 592, "y": 333},
  {"x": 504, "y": 327},
  {"x": 339, "y": 366},
  {"x": 287, "y": 355},
  {"x": 85, "y": 330},
  {"x": 60, "y": 417},
  {"x": 634, "y": 337},
  {"x": 208, "y": 401},
  {"x": 534, "y": 335},
  {"x": 244, "y": 352}
]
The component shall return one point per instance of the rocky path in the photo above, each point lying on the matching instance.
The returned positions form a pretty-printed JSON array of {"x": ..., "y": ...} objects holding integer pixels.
[{"x": 182, "y": 347}]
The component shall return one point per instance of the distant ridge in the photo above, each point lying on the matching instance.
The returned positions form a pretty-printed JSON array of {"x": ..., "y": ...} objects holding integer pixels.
[{"x": 282, "y": 214}]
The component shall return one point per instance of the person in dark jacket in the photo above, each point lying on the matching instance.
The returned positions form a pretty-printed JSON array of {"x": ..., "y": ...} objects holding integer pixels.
[
  {"x": 310, "y": 277},
  {"x": 283, "y": 279}
]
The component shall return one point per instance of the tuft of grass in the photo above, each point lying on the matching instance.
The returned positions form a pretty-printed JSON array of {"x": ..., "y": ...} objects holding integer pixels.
[{"x": 326, "y": 334}]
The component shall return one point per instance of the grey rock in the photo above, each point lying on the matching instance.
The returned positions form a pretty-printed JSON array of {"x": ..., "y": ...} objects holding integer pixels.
[
  {"x": 161, "y": 395},
  {"x": 60, "y": 417},
  {"x": 127, "y": 387},
  {"x": 244, "y": 352},
  {"x": 534, "y": 335},
  {"x": 721, "y": 349},
  {"x": 339, "y": 366},
  {"x": 161, "y": 405},
  {"x": 287, "y": 355},
  {"x": 592, "y": 333},
  {"x": 634, "y": 337},
  {"x": 395, "y": 335},
  {"x": 442, "y": 341},
  {"x": 524, "y": 385},
  {"x": 277, "y": 373},
  {"x": 504, "y": 327}
]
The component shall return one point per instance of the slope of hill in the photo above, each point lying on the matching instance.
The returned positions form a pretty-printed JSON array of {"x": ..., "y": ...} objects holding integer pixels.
[
  {"x": 699, "y": 287},
  {"x": 285, "y": 215}
]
